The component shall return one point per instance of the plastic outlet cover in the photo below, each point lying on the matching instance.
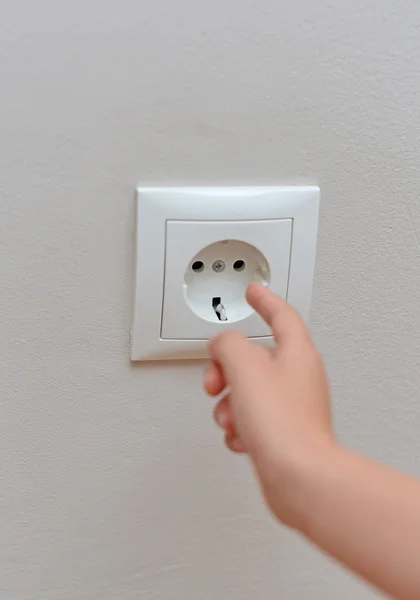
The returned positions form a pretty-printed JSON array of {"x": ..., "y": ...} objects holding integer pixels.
[
  {"x": 263, "y": 246},
  {"x": 198, "y": 248}
]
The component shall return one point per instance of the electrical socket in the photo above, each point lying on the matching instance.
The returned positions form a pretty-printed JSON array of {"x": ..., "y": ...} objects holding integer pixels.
[
  {"x": 190, "y": 281},
  {"x": 188, "y": 313}
]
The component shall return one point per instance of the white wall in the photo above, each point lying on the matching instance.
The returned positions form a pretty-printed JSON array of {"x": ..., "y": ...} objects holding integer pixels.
[{"x": 114, "y": 483}]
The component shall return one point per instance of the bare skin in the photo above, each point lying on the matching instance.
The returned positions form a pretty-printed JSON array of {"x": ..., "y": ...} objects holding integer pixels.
[{"x": 277, "y": 410}]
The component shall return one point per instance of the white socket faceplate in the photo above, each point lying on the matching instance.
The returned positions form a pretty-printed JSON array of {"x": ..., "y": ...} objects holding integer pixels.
[{"x": 189, "y": 244}]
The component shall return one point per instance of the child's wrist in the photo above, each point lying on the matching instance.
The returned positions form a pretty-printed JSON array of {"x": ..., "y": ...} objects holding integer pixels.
[{"x": 297, "y": 476}]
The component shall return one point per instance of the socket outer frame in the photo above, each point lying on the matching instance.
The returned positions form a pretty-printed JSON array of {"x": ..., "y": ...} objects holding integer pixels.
[{"x": 228, "y": 208}]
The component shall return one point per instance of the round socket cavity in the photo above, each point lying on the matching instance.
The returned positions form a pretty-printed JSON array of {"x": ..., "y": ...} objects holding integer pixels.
[{"x": 216, "y": 290}]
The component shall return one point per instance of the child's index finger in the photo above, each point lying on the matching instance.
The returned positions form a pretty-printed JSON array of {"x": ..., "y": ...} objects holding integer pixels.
[{"x": 276, "y": 312}]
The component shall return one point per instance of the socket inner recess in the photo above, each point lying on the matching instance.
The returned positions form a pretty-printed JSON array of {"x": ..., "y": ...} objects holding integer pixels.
[{"x": 216, "y": 279}]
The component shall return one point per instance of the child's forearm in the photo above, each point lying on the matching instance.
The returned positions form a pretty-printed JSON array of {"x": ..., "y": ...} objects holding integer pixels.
[{"x": 365, "y": 515}]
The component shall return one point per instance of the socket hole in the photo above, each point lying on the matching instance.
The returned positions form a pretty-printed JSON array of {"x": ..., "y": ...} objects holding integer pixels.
[
  {"x": 197, "y": 266},
  {"x": 239, "y": 265},
  {"x": 219, "y": 309}
]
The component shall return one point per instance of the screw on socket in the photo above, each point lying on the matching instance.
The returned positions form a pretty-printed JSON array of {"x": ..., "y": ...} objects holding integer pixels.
[{"x": 218, "y": 266}]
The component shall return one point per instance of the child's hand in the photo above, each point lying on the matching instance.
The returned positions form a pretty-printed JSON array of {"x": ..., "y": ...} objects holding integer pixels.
[
  {"x": 277, "y": 406},
  {"x": 276, "y": 409}
]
